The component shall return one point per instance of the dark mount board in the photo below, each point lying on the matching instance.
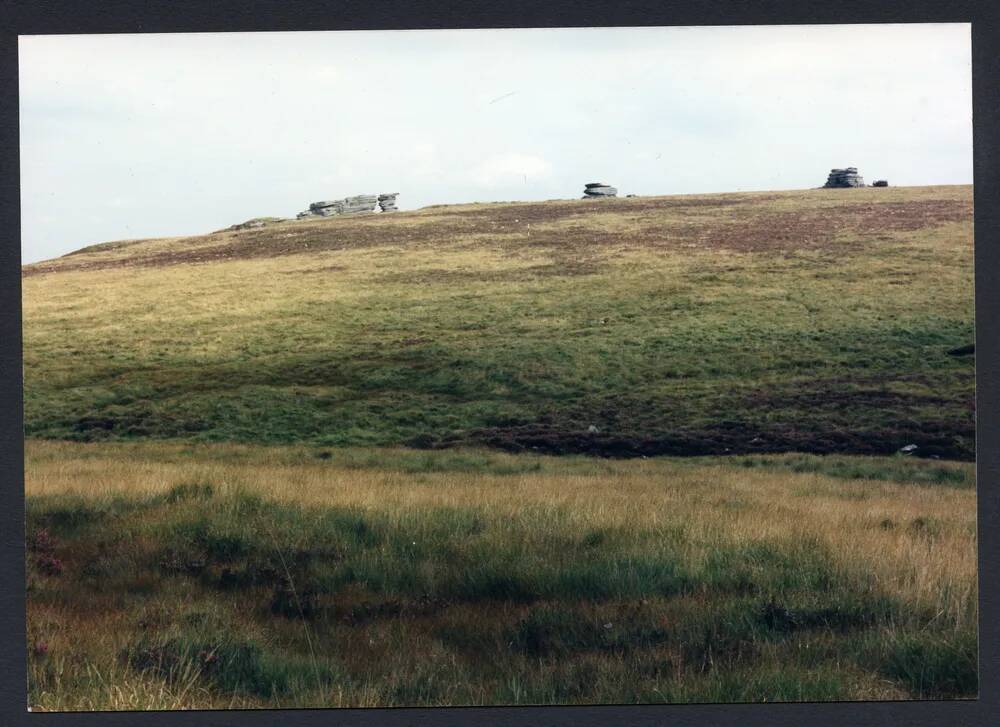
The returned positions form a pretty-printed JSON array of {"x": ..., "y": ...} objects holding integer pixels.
[{"x": 32, "y": 17}]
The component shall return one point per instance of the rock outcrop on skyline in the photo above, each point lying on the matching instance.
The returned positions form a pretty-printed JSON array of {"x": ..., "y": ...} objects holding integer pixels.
[
  {"x": 599, "y": 189},
  {"x": 387, "y": 201},
  {"x": 840, "y": 178},
  {"x": 359, "y": 204}
]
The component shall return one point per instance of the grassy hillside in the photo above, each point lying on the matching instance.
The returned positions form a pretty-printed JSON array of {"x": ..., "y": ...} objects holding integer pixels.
[
  {"x": 283, "y": 485},
  {"x": 816, "y": 321},
  {"x": 166, "y": 575}
]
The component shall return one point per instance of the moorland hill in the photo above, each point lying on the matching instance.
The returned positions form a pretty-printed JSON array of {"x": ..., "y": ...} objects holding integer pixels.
[{"x": 815, "y": 321}]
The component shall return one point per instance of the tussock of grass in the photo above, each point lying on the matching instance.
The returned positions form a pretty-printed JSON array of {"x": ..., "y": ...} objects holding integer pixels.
[
  {"x": 232, "y": 667},
  {"x": 935, "y": 667}
]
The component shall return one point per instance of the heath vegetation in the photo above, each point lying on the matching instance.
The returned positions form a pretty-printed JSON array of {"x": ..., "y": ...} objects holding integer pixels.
[{"x": 432, "y": 457}]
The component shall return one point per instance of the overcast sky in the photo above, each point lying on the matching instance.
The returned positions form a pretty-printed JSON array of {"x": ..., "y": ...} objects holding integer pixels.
[{"x": 133, "y": 136}]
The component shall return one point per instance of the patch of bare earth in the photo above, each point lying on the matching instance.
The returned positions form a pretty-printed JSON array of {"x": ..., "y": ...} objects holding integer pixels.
[
  {"x": 933, "y": 440},
  {"x": 624, "y": 432}
]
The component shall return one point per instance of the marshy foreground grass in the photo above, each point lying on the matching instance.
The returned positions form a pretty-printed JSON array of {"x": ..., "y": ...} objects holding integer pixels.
[{"x": 178, "y": 575}]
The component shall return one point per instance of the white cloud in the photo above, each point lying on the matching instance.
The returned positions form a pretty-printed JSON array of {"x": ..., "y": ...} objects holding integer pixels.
[
  {"x": 507, "y": 168},
  {"x": 327, "y": 73}
]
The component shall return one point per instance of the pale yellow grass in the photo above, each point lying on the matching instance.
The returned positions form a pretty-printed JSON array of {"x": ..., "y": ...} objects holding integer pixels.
[{"x": 914, "y": 542}]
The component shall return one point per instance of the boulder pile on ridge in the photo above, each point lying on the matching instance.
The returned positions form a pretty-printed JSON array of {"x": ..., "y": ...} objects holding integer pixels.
[
  {"x": 387, "y": 201},
  {"x": 359, "y": 204},
  {"x": 840, "y": 178},
  {"x": 599, "y": 189}
]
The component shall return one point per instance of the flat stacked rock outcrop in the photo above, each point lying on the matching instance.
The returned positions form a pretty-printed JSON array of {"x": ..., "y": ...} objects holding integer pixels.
[
  {"x": 358, "y": 204},
  {"x": 880, "y": 183},
  {"x": 848, "y": 177},
  {"x": 599, "y": 189},
  {"x": 387, "y": 201}
]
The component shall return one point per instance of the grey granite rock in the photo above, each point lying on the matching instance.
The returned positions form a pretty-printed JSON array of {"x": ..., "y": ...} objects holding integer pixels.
[
  {"x": 843, "y": 178},
  {"x": 387, "y": 201},
  {"x": 358, "y": 204},
  {"x": 255, "y": 223},
  {"x": 601, "y": 191}
]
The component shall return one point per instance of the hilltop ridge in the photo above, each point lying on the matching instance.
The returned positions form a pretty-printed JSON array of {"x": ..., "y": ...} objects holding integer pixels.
[{"x": 277, "y": 236}]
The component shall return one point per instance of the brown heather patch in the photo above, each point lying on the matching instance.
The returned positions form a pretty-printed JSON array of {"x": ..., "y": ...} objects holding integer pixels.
[
  {"x": 631, "y": 427},
  {"x": 822, "y": 229},
  {"x": 730, "y": 438}
]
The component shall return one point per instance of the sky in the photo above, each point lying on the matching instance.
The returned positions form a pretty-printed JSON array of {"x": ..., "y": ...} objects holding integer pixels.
[{"x": 155, "y": 135}]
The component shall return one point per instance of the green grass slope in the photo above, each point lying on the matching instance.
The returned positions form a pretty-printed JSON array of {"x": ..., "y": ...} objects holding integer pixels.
[{"x": 815, "y": 321}]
